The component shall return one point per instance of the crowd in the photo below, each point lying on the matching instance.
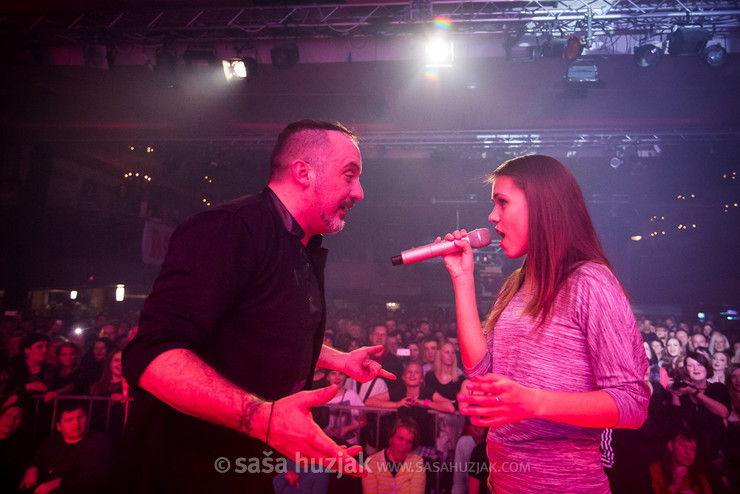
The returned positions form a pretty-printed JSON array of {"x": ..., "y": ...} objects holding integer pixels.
[{"x": 411, "y": 436}]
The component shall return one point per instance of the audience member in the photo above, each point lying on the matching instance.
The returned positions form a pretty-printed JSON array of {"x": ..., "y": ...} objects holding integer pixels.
[
  {"x": 697, "y": 340},
  {"x": 720, "y": 362},
  {"x": 683, "y": 337},
  {"x": 732, "y": 449},
  {"x": 388, "y": 361},
  {"x": 703, "y": 406},
  {"x": 413, "y": 399},
  {"x": 77, "y": 459},
  {"x": 672, "y": 359},
  {"x": 67, "y": 377},
  {"x": 397, "y": 468},
  {"x": 719, "y": 343},
  {"x": 679, "y": 472},
  {"x": 414, "y": 353},
  {"x": 429, "y": 353},
  {"x": 15, "y": 448},
  {"x": 93, "y": 363},
  {"x": 476, "y": 435},
  {"x": 344, "y": 425},
  {"x": 111, "y": 383},
  {"x": 444, "y": 377},
  {"x": 30, "y": 374}
]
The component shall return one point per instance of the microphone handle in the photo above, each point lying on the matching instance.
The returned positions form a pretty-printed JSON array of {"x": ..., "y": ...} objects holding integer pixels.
[{"x": 425, "y": 252}]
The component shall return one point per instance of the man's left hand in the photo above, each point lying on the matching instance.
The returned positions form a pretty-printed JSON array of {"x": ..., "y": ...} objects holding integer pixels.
[{"x": 362, "y": 368}]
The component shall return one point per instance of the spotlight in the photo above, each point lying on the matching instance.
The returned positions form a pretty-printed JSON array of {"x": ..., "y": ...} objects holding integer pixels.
[
  {"x": 647, "y": 55},
  {"x": 284, "y": 57},
  {"x": 522, "y": 49},
  {"x": 439, "y": 52},
  {"x": 583, "y": 72},
  {"x": 714, "y": 55},
  {"x": 615, "y": 162},
  {"x": 553, "y": 47},
  {"x": 239, "y": 68},
  {"x": 688, "y": 40}
]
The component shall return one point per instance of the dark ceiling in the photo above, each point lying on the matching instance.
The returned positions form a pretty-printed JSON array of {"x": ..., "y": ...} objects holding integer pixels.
[{"x": 426, "y": 145}]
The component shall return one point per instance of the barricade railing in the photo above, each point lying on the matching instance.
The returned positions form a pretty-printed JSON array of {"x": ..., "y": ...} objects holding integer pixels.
[
  {"x": 45, "y": 413},
  {"x": 110, "y": 416}
]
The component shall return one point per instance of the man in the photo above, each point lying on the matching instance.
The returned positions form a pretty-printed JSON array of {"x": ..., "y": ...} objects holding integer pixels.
[
  {"x": 698, "y": 340},
  {"x": 78, "y": 460},
  {"x": 429, "y": 351},
  {"x": 233, "y": 328},
  {"x": 388, "y": 360},
  {"x": 391, "y": 325},
  {"x": 397, "y": 468},
  {"x": 683, "y": 337}
]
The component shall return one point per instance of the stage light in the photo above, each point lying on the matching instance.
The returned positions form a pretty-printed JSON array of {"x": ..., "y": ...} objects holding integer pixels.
[
  {"x": 553, "y": 47},
  {"x": 573, "y": 47},
  {"x": 439, "y": 52},
  {"x": 647, "y": 55},
  {"x": 522, "y": 48},
  {"x": 583, "y": 72},
  {"x": 714, "y": 55},
  {"x": 688, "y": 40},
  {"x": 120, "y": 293},
  {"x": 615, "y": 162},
  {"x": 73, "y": 295},
  {"x": 239, "y": 68},
  {"x": 284, "y": 57}
]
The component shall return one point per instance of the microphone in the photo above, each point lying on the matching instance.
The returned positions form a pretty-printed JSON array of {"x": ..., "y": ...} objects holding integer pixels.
[{"x": 477, "y": 238}]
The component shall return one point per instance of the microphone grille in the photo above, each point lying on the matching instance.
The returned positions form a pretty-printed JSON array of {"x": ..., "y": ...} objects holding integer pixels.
[{"x": 479, "y": 238}]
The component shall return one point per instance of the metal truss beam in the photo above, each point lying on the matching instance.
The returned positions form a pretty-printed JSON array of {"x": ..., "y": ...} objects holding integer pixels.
[
  {"x": 514, "y": 141},
  {"x": 601, "y": 17}
]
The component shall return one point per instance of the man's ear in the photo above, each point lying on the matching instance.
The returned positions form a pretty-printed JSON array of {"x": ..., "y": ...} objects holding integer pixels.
[
  {"x": 303, "y": 173},
  {"x": 670, "y": 446}
]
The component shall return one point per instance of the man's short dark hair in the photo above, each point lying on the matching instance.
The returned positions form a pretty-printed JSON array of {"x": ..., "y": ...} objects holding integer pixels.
[
  {"x": 302, "y": 139},
  {"x": 66, "y": 406}
]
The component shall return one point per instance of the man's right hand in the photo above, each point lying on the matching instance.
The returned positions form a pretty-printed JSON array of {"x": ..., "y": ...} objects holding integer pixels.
[{"x": 294, "y": 434}]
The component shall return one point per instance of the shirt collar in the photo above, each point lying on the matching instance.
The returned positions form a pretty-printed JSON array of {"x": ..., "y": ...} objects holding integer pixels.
[{"x": 289, "y": 222}]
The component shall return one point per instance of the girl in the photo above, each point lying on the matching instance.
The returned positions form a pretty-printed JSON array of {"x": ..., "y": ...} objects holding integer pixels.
[{"x": 561, "y": 356}]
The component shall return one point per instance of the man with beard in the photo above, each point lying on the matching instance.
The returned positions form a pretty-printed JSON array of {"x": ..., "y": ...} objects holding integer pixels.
[{"x": 229, "y": 337}]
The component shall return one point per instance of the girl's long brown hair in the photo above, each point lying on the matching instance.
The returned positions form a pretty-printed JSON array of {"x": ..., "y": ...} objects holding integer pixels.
[{"x": 561, "y": 235}]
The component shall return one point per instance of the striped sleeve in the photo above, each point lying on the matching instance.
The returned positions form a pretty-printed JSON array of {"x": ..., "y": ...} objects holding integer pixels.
[
  {"x": 485, "y": 365},
  {"x": 614, "y": 343}
]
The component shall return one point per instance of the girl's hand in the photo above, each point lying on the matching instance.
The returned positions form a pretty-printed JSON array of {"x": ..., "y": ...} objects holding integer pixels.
[
  {"x": 493, "y": 400},
  {"x": 459, "y": 263}
]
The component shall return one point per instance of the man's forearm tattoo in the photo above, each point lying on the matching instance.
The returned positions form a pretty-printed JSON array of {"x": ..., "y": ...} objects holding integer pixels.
[{"x": 249, "y": 409}]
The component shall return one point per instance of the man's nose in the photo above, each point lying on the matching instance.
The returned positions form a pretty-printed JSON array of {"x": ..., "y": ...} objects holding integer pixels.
[{"x": 357, "y": 192}]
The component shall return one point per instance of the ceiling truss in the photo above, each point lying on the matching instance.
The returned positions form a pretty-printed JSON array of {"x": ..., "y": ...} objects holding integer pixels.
[{"x": 599, "y": 17}]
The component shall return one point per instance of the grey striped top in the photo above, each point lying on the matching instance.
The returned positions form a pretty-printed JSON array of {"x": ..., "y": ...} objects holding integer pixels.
[{"x": 591, "y": 343}]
